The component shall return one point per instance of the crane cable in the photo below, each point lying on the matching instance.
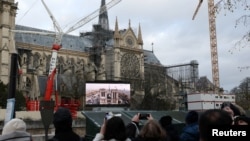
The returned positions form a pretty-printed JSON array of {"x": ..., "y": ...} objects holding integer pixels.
[{"x": 27, "y": 11}]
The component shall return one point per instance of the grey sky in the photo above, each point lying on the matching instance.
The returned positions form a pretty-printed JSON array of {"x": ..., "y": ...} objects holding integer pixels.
[{"x": 168, "y": 24}]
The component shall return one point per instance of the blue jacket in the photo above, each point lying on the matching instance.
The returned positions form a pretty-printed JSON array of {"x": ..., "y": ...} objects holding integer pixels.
[{"x": 190, "y": 132}]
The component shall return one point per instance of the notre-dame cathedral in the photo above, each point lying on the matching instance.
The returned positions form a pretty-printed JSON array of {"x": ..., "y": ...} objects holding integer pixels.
[{"x": 104, "y": 54}]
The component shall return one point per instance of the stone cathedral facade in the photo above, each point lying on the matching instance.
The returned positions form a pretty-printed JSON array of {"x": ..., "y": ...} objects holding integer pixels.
[{"x": 103, "y": 54}]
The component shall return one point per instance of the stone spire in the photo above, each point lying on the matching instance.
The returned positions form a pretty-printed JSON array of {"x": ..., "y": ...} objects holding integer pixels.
[
  {"x": 103, "y": 18},
  {"x": 117, "y": 34},
  {"x": 129, "y": 24},
  {"x": 140, "y": 41}
]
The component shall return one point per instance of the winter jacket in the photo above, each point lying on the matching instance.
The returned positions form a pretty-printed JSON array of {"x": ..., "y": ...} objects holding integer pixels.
[
  {"x": 139, "y": 138},
  {"x": 172, "y": 132},
  {"x": 132, "y": 130},
  {"x": 66, "y": 136},
  {"x": 190, "y": 132}
]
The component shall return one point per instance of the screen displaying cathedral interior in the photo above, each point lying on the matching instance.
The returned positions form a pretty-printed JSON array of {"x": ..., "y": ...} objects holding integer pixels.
[{"x": 115, "y": 94}]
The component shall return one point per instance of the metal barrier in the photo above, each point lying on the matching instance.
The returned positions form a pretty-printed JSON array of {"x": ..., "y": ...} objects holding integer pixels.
[{"x": 47, "y": 112}]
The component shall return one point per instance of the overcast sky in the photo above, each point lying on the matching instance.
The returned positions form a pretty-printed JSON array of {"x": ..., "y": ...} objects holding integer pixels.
[{"x": 168, "y": 24}]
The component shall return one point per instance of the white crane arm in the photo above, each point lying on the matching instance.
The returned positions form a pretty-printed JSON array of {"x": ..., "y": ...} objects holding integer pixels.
[
  {"x": 92, "y": 15},
  {"x": 55, "y": 23}
]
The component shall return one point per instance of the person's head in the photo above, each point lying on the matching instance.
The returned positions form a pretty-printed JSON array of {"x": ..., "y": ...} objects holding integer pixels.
[
  {"x": 192, "y": 117},
  {"x": 152, "y": 130},
  {"x": 230, "y": 108},
  {"x": 14, "y": 125},
  {"x": 242, "y": 120},
  {"x": 241, "y": 110},
  {"x": 115, "y": 129},
  {"x": 165, "y": 120},
  {"x": 210, "y": 119},
  {"x": 15, "y": 129},
  {"x": 62, "y": 119}
]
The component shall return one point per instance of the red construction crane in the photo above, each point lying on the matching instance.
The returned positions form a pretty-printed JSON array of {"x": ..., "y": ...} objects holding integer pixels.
[{"x": 213, "y": 42}]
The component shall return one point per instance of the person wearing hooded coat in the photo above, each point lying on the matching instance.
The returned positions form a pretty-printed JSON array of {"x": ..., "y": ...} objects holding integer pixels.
[
  {"x": 15, "y": 130},
  {"x": 191, "y": 131},
  {"x": 112, "y": 129},
  {"x": 62, "y": 121}
]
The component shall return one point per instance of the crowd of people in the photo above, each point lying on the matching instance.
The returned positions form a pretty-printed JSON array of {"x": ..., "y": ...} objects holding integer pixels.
[{"x": 197, "y": 126}]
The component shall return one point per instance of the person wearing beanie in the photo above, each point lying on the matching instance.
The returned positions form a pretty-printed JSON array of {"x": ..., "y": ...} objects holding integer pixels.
[
  {"x": 167, "y": 125},
  {"x": 62, "y": 121},
  {"x": 15, "y": 130},
  {"x": 191, "y": 131}
]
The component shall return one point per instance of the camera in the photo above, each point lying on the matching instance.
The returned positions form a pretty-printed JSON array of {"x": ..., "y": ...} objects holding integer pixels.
[
  {"x": 143, "y": 116},
  {"x": 109, "y": 115}
]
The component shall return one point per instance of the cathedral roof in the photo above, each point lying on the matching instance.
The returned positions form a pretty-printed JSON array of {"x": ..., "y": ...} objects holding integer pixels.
[
  {"x": 150, "y": 58},
  {"x": 69, "y": 42}
]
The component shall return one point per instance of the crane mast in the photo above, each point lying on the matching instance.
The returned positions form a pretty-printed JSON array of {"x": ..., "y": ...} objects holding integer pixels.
[{"x": 213, "y": 42}]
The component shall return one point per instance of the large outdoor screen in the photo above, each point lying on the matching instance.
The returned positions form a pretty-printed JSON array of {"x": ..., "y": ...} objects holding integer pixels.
[{"x": 107, "y": 94}]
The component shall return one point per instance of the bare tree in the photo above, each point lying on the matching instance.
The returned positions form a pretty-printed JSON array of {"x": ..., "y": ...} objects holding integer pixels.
[
  {"x": 243, "y": 93},
  {"x": 232, "y": 6}
]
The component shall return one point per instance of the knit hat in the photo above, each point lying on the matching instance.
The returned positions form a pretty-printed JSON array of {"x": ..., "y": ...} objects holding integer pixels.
[
  {"x": 192, "y": 117},
  {"x": 14, "y": 125},
  {"x": 62, "y": 118}
]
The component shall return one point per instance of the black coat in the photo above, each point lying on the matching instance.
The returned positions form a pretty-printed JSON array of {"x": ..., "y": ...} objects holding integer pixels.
[
  {"x": 149, "y": 139},
  {"x": 172, "y": 132},
  {"x": 66, "y": 136}
]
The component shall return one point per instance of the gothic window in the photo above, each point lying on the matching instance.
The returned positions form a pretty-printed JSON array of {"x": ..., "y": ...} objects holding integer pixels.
[
  {"x": 63, "y": 87},
  {"x": 36, "y": 58},
  {"x": 48, "y": 63},
  {"x": 60, "y": 65},
  {"x": 129, "y": 41},
  {"x": 28, "y": 84},
  {"x": 24, "y": 59},
  {"x": 130, "y": 66},
  {"x": 30, "y": 66}
]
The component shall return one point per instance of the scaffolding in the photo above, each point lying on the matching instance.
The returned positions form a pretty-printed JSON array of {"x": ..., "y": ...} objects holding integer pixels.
[{"x": 187, "y": 74}]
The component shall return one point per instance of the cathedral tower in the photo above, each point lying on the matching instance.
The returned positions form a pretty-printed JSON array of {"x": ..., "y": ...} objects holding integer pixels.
[
  {"x": 7, "y": 22},
  {"x": 103, "y": 18}
]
